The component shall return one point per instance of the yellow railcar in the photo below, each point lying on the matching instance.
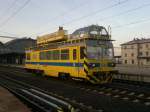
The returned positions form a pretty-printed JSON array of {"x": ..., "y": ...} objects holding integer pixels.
[{"x": 89, "y": 57}]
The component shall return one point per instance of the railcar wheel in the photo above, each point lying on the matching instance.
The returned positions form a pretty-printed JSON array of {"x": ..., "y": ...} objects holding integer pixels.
[
  {"x": 64, "y": 76},
  {"x": 39, "y": 72}
]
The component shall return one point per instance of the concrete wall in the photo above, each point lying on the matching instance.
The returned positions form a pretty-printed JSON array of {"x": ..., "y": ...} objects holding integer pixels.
[{"x": 133, "y": 72}]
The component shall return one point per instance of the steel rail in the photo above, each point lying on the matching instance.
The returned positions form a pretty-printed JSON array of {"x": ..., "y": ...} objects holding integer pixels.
[
  {"x": 30, "y": 103},
  {"x": 78, "y": 107},
  {"x": 32, "y": 98}
]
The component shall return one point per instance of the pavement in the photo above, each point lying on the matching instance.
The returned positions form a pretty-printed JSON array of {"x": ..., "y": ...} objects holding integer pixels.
[{"x": 9, "y": 103}]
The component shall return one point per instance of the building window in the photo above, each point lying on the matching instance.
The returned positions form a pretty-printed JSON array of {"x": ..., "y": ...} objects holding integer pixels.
[
  {"x": 125, "y": 55},
  {"x": 132, "y": 54},
  {"x": 74, "y": 54},
  {"x": 146, "y": 45},
  {"x": 140, "y": 53},
  {"x": 148, "y": 60},
  {"x": 141, "y": 46},
  {"x": 125, "y": 61},
  {"x": 132, "y": 61},
  {"x": 65, "y": 54},
  {"x": 147, "y": 53},
  {"x": 132, "y": 47},
  {"x": 125, "y": 47}
]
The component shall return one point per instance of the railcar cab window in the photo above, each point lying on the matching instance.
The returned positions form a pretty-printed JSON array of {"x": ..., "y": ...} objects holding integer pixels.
[
  {"x": 82, "y": 52},
  {"x": 42, "y": 55},
  {"x": 97, "y": 52},
  {"x": 94, "y": 52},
  {"x": 65, "y": 54},
  {"x": 103, "y": 32},
  {"x": 94, "y": 32},
  {"x": 99, "y": 32},
  {"x": 108, "y": 52}
]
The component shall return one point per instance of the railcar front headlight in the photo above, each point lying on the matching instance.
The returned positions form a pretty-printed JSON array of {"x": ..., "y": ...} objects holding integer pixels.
[
  {"x": 112, "y": 64},
  {"x": 92, "y": 65}
]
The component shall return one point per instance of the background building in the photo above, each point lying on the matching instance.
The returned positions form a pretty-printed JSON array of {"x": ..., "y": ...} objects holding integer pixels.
[
  {"x": 13, "y": 52},
  {"x": 136, "y": 52}
]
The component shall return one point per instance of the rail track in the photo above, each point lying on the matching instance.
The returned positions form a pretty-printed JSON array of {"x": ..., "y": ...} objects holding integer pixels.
[
  {"x": 40, "y": 100},
  {"x": 110, "y": 98},
  {"x": 36, "y": 99}
]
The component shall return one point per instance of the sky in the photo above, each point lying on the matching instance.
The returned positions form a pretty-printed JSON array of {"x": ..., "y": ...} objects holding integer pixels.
[{"x": 128, "y": 19}]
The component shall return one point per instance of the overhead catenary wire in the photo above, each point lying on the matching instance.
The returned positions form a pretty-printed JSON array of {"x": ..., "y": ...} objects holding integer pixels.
[
  {"x": 125, "y": 12},
  {"x": 9, "y": 8},
  {"x": 131, "y": 23},
  {"x": 134, "y": 22},
  {"x": 89, "y": 14},
  {"x": 52, "y": 19},
  {"x": 14, "y": 14},
  {"x": 122, "y": 13},
  {"x": 96, "y": 12},
  {"x": 67, "y": 12}
]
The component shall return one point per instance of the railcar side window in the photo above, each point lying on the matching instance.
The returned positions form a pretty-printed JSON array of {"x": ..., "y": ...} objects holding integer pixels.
[
  {"x": 49, "y": 55},
  {"x": 56, "y": 54},
  {"x": 28, "y": 56},
  {"x": 82, "y": 52},
  {"x": 65, "y": 54},
  {"x": 74, "y": 54},
  {"x": 42, "y": 55}
]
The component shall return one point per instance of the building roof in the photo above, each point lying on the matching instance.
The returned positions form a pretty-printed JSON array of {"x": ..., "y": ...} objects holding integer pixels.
[
  {"x": 17, "y": 45},
  {"x": 1, "y": 45},
  {"x": 137, "y": 41}
]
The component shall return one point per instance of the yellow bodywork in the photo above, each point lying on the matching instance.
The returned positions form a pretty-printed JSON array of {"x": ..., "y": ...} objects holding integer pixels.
[
  {"x": 56, "y": 36},
  {"x": 52, "y": 70},
  {"x": 75, "y": 68}
]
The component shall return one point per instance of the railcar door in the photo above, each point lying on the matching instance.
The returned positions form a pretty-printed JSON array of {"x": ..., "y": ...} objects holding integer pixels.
[
  {"x": 81, "y": 55},
  {"x": 75, "y": 62}
]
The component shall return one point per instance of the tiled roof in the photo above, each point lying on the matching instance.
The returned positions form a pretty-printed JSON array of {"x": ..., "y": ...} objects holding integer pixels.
[{"x": 137, "y": 41}]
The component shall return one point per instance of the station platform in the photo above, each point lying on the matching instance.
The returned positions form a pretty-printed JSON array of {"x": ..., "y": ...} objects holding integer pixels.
[{"x": 9, "y": 103}]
